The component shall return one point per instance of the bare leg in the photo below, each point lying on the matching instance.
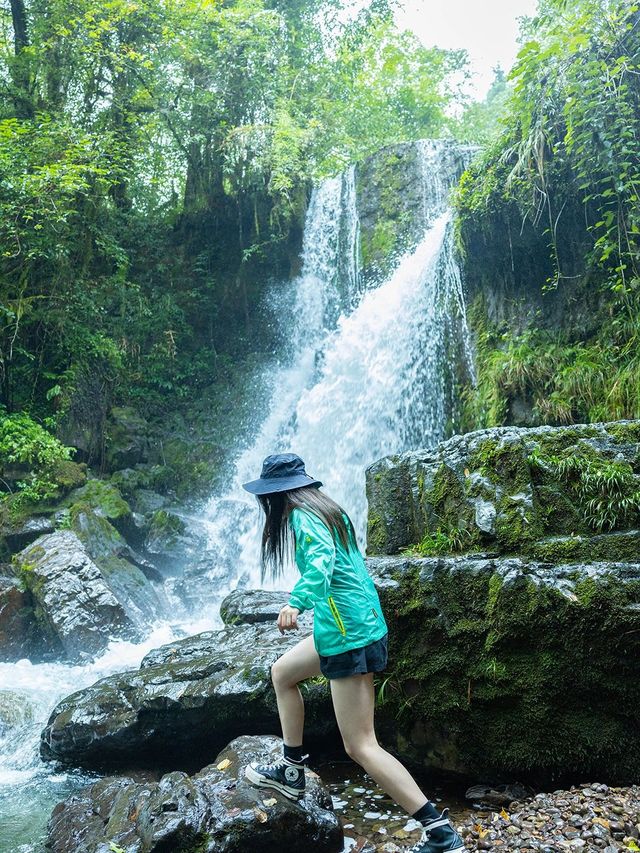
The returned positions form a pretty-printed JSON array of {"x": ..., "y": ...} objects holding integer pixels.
[
  {"x": 353, "y": 701},
  {"x": 298, "y": 663}
]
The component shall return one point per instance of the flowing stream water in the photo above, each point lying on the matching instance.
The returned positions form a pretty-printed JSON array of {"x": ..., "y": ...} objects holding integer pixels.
[{"x": 363, "y": 373}]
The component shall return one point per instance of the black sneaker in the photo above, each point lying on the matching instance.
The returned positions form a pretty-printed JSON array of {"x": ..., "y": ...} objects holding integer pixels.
[
  {"x": 439, "y": 836},
  {"x": 285, "y": 776}
]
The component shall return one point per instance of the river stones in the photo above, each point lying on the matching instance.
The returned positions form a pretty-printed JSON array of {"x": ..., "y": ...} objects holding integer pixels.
[
  {"x": 189, "y": 697},
  {"x": 587, "y": 817},
  {"x": 213, "y": 811}
]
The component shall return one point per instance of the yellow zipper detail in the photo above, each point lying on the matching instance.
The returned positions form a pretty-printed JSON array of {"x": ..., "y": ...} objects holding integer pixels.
[{"x": 336, "y": 616}]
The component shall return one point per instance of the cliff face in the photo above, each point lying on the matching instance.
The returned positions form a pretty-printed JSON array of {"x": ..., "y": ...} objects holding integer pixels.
[{"x": 512, "y": 585}]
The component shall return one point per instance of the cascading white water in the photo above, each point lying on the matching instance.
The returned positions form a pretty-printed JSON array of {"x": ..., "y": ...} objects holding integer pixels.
[
  {"x": 367, "y": 373},
  {"x": 29, "y": 788}
]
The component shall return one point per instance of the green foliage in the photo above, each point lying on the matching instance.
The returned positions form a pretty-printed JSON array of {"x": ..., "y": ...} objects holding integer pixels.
[
  {"x": 31, "y": 448},
  {"x": 564, "y": 381},
  {"x": 568, "y": 140},
  {"x": 607, "y": 492},
  {"x": 439, "y": 543}
]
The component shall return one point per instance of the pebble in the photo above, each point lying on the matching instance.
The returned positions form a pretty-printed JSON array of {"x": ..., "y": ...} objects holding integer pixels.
[{"x": 588, "y": 817}]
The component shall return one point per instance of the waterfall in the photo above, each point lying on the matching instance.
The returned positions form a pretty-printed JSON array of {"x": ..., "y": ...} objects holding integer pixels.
[
  {"x": 367, "y": 372},
  {"x": 361, "y": 373}
]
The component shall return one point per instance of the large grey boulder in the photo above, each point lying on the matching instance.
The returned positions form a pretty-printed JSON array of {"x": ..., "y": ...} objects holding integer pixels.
[
  {"x": 189, "y": 697},
  {"x": 74, "y": 605},
  {"x": 213, "y": 811}
]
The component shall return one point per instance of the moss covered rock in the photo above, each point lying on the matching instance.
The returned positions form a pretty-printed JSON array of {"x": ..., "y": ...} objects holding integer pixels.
[
  {"x": 512, "y": 490},
  {"x": 502, "y": 667},
  {"x": 391, "y": 192}
]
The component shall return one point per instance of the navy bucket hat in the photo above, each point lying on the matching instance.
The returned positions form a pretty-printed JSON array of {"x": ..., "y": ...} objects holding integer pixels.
[{"x": 280, "y": 472}]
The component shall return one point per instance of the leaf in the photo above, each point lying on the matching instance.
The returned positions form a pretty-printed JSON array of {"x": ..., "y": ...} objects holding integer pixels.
[
  {"x": 223, "y": 764},
  {"x": 261, "y": 815},
  {"x": 270, "y": 802}
]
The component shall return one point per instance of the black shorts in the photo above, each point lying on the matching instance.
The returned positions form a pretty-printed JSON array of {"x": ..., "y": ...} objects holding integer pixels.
[{"x": 371, "y": 658}]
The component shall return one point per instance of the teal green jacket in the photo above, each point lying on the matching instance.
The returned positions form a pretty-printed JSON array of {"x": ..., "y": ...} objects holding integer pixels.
[{"x": 336, "y": 584}]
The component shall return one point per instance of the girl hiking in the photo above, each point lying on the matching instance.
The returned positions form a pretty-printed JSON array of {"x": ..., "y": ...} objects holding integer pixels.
[{"x": 349, "y": 641}]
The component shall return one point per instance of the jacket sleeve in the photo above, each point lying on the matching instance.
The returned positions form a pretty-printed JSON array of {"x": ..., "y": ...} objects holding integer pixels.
[{"x": 314, "y": 538}]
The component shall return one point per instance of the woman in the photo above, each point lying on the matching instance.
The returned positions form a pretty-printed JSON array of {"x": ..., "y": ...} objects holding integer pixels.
[{"x": 348, "y": 645}]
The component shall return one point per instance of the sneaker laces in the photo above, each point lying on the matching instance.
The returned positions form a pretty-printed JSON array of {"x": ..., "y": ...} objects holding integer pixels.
[
  {"x": 283, "y": 762},
  {"x": 426, "y": 832}
]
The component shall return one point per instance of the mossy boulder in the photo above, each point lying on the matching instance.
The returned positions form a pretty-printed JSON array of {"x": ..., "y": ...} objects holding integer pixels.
[
  {"x": 126, "y": 438},
  {"x": 506, "y": 667},
  {"x": 105, "y": 500},
  {"x": 512, "y": 490}
]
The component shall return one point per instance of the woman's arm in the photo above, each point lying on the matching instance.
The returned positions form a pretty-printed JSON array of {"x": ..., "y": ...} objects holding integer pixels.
[{"x": 314, "y": 537}]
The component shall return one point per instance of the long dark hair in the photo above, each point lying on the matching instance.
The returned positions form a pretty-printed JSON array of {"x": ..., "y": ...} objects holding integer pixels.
[{"x": 278, "y": 541}]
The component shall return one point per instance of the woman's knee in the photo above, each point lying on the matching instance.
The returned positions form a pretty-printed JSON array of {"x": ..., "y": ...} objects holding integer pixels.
[
  {"x": 359, "y": 749},
  {"x": 280, "y": 675}
]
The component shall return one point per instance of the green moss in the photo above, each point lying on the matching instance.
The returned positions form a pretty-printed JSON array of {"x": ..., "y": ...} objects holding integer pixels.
[
  {"x": 68, "y": 474},
  {"x": 498, "y": 669},
  {"x": 377, "y": 246},
  {"x": 376, "y": 536},
  {"x": 166, "y": 524},
  {"x": 101, "y": 496}
]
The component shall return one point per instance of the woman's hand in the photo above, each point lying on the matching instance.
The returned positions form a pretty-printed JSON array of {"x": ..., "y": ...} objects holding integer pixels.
[{"x": 288, "y": 618}]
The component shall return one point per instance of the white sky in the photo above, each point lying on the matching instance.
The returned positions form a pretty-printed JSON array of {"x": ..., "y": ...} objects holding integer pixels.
[{"x": 487, "y": 29}]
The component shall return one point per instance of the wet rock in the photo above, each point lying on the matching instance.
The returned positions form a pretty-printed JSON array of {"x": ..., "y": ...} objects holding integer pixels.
[
  {"x": 188, "y": 698},
  {"x": 74, "y": 604},
  {"x": 252, "y": 605},
  {"x": 126, "y": 571},
  {"x": 20, "y": 636},
  {"x": 478, "y": 646},
  {"x": 497, "y": 795},
  {"x": 26, "y": 531},
  {"x": 214, "y": 810}
]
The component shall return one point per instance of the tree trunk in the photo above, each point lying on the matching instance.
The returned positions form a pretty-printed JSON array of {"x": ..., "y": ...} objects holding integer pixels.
[{"x": 20, "y": 66}]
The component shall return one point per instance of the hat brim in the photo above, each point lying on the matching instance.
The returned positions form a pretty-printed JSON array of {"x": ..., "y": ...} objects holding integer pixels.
[{"x": 278, "y": 484}]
